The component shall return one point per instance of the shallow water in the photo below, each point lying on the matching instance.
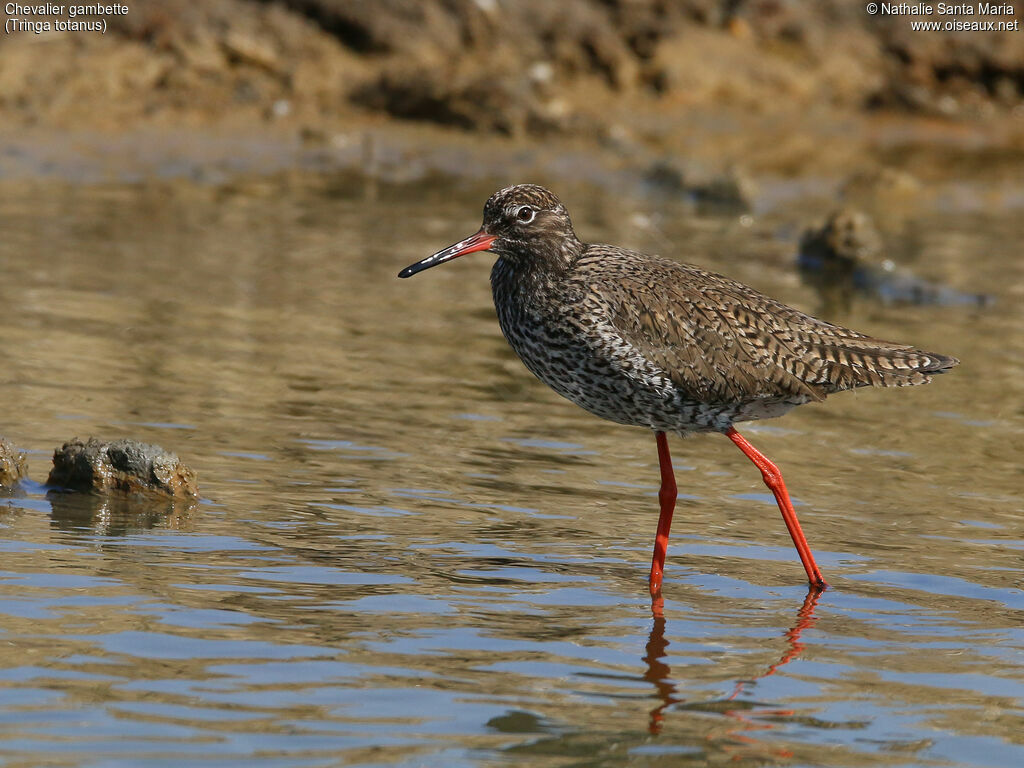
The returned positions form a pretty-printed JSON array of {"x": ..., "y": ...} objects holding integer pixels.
[{"x": 410, "y": 552}]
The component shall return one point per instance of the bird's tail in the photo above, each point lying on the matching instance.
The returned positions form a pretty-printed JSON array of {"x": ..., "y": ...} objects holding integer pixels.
[{"x": 866, "y": 362}]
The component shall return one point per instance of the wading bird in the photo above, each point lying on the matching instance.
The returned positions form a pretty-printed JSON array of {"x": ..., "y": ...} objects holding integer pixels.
[{"x": 648, "y": 342}]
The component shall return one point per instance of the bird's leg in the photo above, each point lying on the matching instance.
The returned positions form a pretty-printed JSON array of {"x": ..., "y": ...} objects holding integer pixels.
[
  {"x": 667, "y": 497},
  {"x": 773, "y": 479}
]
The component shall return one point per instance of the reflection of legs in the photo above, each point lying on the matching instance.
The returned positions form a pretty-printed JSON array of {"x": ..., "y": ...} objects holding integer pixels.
[
  {"x": 773, "y": 479},
  {"x": 659, "y": 674},
  {"x": 805, "y": 619},
  {"x": 667, "y": 498}
]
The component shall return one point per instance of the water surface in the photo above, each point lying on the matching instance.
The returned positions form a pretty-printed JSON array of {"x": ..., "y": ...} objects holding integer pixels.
[{"x": 409, "y": 552}]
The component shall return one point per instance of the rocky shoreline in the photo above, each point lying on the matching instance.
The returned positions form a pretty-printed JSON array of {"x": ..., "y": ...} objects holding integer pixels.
[{"x": 769, "y": 84}]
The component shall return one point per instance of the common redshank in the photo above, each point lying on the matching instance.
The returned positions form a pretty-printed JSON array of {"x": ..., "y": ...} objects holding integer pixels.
[{"x": 649, "y": 342}]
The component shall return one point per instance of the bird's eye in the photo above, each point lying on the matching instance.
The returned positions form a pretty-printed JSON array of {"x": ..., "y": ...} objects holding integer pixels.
[{"x": 526, "y": 214}]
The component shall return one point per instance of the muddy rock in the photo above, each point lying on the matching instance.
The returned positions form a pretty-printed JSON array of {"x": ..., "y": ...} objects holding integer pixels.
[
  {"x": 832, "y": 258},
  {"x": 842, "y": 259},
  {"x": 848, "y": 236},
  {"x": 121, "y": 466},
  {"x": 13, "y": 465}
]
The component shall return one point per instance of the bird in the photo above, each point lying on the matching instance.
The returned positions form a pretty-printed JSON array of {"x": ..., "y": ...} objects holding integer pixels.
[{"x": 650, "y": 342}]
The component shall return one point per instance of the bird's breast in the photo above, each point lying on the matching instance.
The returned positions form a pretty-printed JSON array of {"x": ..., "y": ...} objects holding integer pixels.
[
  {"x": 545, "y": 322},
  {"x": 536, "y": 317},
  {"x": 564, "y": 335}
]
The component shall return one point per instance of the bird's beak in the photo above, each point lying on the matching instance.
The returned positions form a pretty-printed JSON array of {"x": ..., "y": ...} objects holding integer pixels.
[{"x": 481, "y": 241}]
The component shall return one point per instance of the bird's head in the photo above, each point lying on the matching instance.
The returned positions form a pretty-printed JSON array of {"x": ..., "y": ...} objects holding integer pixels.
[{"x": 522, "y": 223}]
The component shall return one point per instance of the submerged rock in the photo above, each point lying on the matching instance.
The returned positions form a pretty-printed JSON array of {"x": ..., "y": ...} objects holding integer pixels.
[
  {"x": 13, "y": 465},
  {"x": 840, "y": 259},
  {"x": 125, "y": 466},
  {"x": 846, "y": 237}
]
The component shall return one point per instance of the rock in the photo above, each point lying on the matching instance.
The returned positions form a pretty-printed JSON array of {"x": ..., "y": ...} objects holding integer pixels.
[
  {"x": 847, "y": 236},
  {"x": 831, "y": 258},
  {"x": 121, "y": 466},
  {"x": 13, "y": 465},
  {"x": 840, "y": 259}
]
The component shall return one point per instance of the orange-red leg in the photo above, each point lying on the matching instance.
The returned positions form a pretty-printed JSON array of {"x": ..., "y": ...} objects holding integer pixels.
[
  {"x": 667, "y": 497},
  {"x": 773, "y": 479}
]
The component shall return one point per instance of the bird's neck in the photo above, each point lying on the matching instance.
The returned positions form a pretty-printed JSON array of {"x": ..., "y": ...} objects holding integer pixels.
[
  {"x": 518, "y": 283},
  {"x": 552, "y": 259}
]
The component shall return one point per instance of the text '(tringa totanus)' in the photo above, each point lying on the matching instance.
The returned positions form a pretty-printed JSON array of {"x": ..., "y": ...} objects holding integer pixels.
[{"x": 649, "y": 342}]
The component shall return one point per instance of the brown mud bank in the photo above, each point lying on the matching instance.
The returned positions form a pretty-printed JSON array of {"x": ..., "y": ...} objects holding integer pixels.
[{"x": 778, "y": 87}]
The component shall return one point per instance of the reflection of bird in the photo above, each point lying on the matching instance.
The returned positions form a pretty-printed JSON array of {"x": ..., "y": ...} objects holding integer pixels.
[{"x": 649, "y": 342}]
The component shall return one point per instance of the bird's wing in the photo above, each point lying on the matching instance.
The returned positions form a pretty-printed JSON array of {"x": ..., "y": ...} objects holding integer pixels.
[
  {"x": 710, "y": 344},
  {"x": 828, "y": 356},
  {"x": 722, "y": 341}
]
